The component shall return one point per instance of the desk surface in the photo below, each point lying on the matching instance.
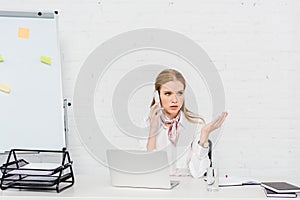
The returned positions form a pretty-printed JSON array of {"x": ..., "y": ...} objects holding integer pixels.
[{"x": 87, "y": 187}]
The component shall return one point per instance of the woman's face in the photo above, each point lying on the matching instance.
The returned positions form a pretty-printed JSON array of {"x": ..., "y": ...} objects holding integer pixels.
[{"x": 172, "y": 98}]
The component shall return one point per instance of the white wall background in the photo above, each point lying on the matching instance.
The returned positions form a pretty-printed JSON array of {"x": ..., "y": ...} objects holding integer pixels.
[{"x": 254, "y": 44}]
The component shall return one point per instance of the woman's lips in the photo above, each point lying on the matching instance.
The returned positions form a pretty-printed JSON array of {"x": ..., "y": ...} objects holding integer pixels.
[{"x": 174, "y": 107}]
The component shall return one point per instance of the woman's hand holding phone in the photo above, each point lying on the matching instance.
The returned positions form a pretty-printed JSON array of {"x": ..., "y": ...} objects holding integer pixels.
[{"x": 155, "y": 114}]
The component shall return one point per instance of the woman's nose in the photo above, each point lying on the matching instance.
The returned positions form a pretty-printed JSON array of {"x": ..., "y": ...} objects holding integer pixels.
[{"x": 174, "y": 98}]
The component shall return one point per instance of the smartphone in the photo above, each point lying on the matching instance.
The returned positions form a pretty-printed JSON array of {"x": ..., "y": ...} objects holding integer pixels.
[{"x": 156, "y": 97}]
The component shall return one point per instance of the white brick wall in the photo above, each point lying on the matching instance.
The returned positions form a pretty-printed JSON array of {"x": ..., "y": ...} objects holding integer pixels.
[{"x": 254, "y": 45}]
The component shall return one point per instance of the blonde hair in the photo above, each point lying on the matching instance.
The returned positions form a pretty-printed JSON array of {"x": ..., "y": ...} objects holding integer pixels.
[{"x": 173, "y": 75}]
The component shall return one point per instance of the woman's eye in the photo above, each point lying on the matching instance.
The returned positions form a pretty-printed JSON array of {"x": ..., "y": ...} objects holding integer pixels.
[
  {"x": 167, "y": 93},
  {"x": 180, "y": 93}
]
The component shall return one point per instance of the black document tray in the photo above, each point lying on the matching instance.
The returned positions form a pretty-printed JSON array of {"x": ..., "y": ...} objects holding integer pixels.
[{"x": 20, "y": 174}]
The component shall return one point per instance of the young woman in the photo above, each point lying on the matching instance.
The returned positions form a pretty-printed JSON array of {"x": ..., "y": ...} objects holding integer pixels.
[{"x": 169, "y": 122}]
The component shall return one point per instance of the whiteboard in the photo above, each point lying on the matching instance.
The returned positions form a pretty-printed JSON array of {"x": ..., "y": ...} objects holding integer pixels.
[{"x": 31, "y": 114}]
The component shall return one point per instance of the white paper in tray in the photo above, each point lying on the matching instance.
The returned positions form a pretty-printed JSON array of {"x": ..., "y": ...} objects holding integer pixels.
[{"x": 48, "y": 166}]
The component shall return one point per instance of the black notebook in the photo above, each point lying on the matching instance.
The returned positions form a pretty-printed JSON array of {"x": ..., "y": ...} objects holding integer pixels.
[
  {"x": 270, "y": 193},
  {"x": 281, "y": 187}
]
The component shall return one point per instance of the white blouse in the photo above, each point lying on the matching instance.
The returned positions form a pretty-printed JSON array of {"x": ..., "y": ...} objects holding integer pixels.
[{"x": 186, "y": 157}]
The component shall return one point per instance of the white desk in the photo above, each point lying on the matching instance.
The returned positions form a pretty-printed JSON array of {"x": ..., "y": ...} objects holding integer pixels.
[{"x": 87, "y": 187}]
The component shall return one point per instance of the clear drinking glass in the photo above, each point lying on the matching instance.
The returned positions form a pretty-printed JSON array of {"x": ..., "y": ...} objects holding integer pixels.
[{"x": 212, "y": 179}]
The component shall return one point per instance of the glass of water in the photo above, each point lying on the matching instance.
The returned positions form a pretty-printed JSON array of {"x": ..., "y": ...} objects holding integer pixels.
[{"x": 212, "y": 179}]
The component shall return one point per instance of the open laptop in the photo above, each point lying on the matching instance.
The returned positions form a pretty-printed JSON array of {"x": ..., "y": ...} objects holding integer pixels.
[{"x": 139, "y": 169}]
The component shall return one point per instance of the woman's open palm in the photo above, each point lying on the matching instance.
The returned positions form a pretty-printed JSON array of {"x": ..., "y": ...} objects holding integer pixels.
[{"x": 215, "y": 124}]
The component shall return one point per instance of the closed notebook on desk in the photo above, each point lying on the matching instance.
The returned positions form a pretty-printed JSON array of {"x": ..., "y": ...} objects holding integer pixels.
[
  {"x": 281, "y": 187},
  {"x": 270, "y": 193}
]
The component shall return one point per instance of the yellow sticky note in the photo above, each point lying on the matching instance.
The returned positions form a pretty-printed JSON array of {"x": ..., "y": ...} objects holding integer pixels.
[
  {"x": 5, "y": 88},
  {"x": 23, "y": 33},
  {"x": 1, "y": 58},
  {"x": 46, "y": 60}
]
